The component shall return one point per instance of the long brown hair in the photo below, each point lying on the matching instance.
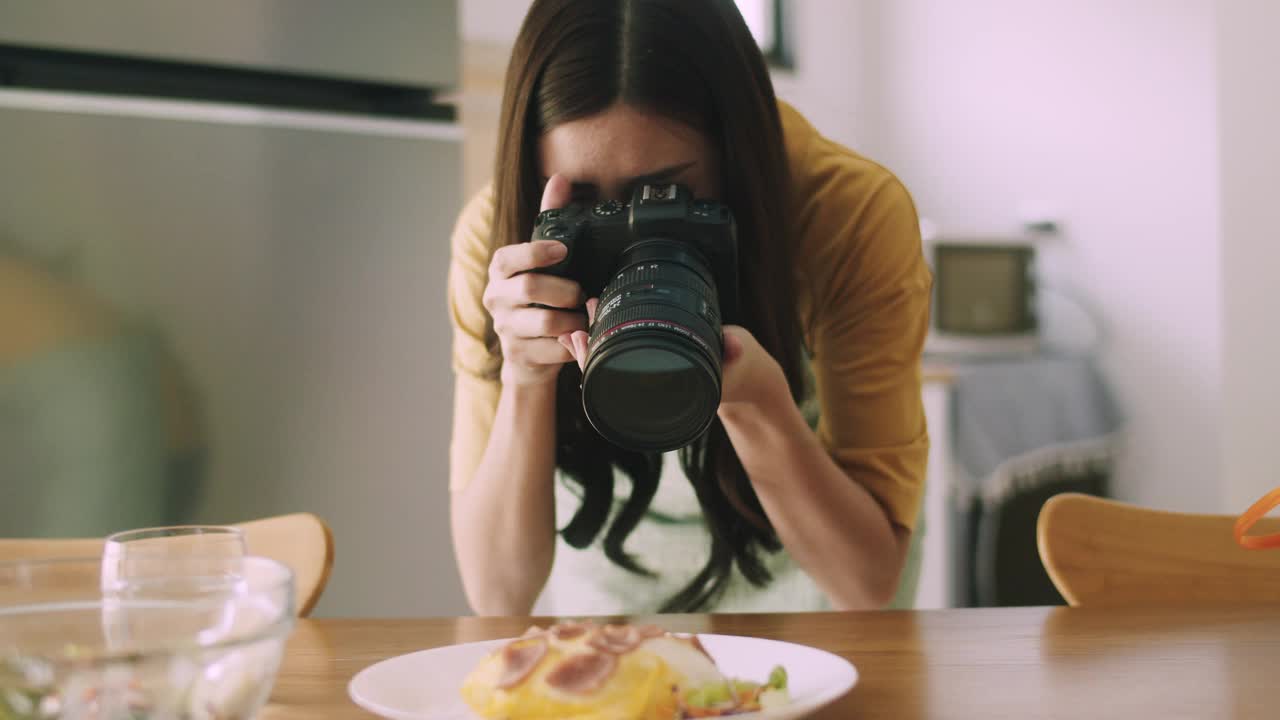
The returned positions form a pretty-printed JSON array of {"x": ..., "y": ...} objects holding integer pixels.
[{"x": 694, "y": 61}]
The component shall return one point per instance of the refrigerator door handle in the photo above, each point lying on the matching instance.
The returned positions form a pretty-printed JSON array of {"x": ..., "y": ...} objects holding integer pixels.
[{"x": 225, "y": 114}]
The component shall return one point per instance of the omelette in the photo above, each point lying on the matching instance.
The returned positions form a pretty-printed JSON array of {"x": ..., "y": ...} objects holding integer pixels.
[{"x": 583, "y": 671}]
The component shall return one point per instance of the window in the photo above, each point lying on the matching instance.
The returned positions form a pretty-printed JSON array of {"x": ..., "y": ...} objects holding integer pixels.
[{"x": 768, "y": 21}]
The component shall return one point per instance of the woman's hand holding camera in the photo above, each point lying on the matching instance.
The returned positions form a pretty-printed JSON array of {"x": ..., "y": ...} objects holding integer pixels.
[
  {"x": 535, "y": 315},
  {"x": 753, "y": 379}
]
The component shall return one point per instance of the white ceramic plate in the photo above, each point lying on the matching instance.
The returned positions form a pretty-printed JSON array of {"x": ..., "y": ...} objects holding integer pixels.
[{"x": 424, "y": 685}]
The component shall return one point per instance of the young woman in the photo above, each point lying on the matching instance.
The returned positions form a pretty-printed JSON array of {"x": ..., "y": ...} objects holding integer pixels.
[{"x": 805, "y": 491}]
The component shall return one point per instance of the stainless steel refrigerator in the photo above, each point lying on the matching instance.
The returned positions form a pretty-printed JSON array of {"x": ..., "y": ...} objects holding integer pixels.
[{"x": 264, "y": 189}]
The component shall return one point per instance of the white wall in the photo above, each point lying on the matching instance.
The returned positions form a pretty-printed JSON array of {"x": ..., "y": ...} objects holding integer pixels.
[
  {"x": 1249, "y": 115},
  {"x": 492, "y": 21},
  {"x": 1101, "y": 113},
  {"x": 837, "y": 69}
]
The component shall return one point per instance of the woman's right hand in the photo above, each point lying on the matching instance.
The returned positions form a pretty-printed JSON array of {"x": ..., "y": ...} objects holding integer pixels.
[{"x": 535, "y": 340}]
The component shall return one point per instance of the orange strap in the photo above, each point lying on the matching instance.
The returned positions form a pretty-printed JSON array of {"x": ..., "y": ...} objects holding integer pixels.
[{"x": 1251, "y": 518}]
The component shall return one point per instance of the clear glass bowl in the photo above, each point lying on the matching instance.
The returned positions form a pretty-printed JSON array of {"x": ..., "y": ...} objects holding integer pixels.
[{"x": 201, "y": 641}]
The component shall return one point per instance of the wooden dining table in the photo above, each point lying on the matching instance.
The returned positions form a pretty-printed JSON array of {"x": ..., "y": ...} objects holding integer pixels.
[{"x": 984, "y": 664}]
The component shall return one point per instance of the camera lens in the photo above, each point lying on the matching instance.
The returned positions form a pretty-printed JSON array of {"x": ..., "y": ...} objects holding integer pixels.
[{"x": 652, "y": 377}]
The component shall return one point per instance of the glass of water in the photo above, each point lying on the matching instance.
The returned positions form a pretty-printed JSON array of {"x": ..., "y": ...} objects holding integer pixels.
[
  {"x": 148, "y": 555},
  {"x": 174, "y": 567}
]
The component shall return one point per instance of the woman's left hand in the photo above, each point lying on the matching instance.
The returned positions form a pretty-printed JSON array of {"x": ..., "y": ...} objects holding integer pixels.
[{"x": 750, "y": 374}]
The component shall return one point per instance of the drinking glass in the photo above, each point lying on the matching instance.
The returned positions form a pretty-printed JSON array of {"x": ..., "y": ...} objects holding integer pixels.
[{"x": 146, "y": 570}]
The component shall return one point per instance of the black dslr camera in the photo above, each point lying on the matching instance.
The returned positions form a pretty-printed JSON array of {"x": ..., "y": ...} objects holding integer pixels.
[{"x": 665, "y": 268}]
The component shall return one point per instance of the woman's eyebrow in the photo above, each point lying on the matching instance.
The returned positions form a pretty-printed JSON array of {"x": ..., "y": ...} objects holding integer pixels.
[{"x": 660, "y": 174}]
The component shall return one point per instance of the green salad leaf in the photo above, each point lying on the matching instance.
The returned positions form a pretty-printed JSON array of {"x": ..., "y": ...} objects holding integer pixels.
[{"x": 778, "y": 678}]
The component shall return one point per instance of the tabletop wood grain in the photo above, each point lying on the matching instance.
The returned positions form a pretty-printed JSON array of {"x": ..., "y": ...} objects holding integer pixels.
[{"x": 986, "y": 664}]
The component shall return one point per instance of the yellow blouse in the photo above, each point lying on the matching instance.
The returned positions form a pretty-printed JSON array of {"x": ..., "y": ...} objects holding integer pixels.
[{"x": 864, "y": 302}]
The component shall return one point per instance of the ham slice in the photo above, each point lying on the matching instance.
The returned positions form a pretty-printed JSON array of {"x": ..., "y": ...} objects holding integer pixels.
[
  {"x": 583, "y": 673},
  {"x": 570, "y": 631},
  {"x": 616, "y": 639},
  {"x": 519, "y": 659}
]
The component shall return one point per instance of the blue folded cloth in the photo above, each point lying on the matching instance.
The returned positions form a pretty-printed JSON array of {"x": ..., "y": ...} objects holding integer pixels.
[{"x": 1018, "y": 421}]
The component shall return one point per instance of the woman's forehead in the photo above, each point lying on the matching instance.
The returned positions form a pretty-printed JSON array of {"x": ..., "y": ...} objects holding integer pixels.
[{"x": 618, "y": 144}]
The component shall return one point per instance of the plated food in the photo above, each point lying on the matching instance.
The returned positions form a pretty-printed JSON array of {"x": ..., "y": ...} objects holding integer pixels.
[{"x": 585, "y": 671}]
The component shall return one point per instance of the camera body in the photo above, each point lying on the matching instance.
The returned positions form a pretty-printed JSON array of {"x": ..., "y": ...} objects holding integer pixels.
[
  {"x": 665, "y": 269},
  {"x": 598, "y": 237}
]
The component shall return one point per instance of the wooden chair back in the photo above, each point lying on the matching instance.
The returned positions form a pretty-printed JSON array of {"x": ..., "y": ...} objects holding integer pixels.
[
  {"x": 301, "y": 541},
  {"x": 1105, "y": 552}
]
